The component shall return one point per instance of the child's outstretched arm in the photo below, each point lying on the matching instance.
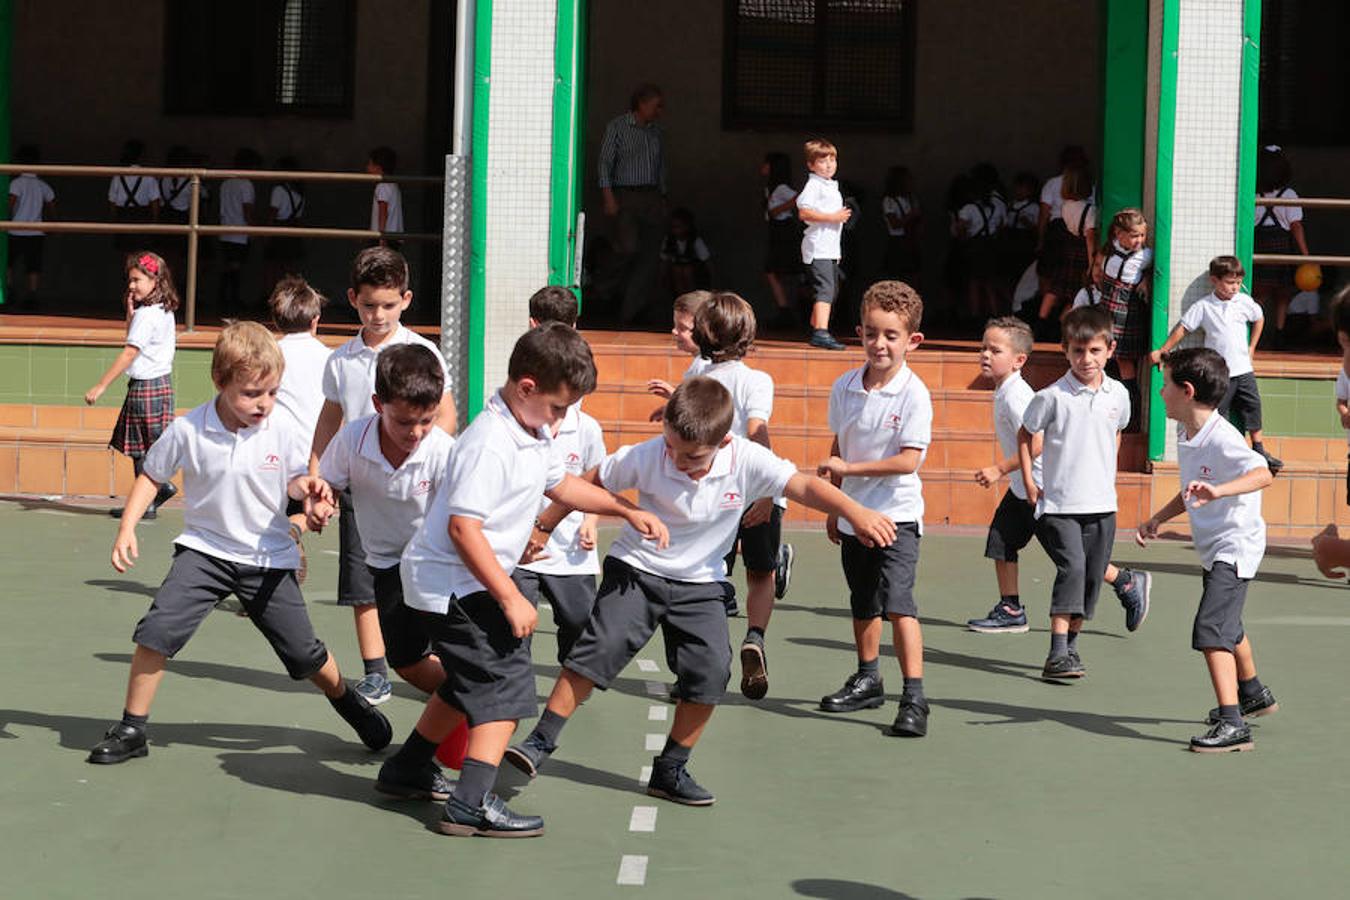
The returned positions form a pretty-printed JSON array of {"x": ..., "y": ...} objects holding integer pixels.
[
  {"x": 1026, "y": 441},
  {"x": 124, "y": 549},
  {"x": 870, "y": 527},
  {"x": 590, "y": 496},
  {"x": 119, "y": 365},
  {"x": 1198, "y": 493},
  {"x": 905, "y": 462},
  {"x": 1172, "y": 340},
  {"x": 989, "y": 475},
  {"x": 329, "y": 421},
  {"x": 1148, "y": 530}
]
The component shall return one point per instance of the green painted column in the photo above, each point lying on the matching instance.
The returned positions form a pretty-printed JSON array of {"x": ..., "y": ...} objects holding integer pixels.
[
  {"x": 482, "y": 69},
  {"x": 1162, "y": 215},
  {"x": 6, "y": 43},
  {"x": 1124, "y": 84},
  {"x": 1248, "y": 133},
  {"x": 568, "y": 135}
]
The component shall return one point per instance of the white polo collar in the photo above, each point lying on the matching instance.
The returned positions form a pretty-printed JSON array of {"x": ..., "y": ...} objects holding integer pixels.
[{"x": 522, "y": 438}]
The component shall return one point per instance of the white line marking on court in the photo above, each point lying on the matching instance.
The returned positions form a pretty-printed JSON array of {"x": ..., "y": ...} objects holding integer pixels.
[
  {"x": 54, "y": 512},
  {"x": 648, "y": 665},
  {"x": 1303, "y": 620},
  {"x": 632, "y": 870},
  {"x": 642, "y": 819},
  {"x": 656, "y": 741},
  {"x": 644, "y": 776},
  {"x": 657, "y": 713},
  {"x": 331, "y": 552},
  {"x": 656, "y": 689}
]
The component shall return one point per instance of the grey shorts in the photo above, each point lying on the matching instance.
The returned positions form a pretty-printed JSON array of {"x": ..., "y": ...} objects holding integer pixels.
[
  {"x": 758, "y": 544},
  {"x": 1218, "y": 621},
  {"x": 1013, "y": 528},
  {"x": 488, "y": 675},
  {"x": 405, "y": 633},
  {"x": 1080, "y": 547},
  {"x": 881, "y": 579},
  {"x": 629, "y": 608},
  {"x": 571, "y": 596},
  {"x": 1241, "y": 403},
  {"x": 356, "y": 586},
  {"x": 822, "y": 275},
  {"x": 197, "y": 582}
]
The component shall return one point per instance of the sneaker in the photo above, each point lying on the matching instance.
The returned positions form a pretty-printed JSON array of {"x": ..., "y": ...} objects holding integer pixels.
[
  {"x": 1132, "y": 589},
  {"x": 1002, "y": 619},
  {"x": 782, "y": 572},
  {"x": 822, "y": 338},
  {"x": 527, "y": 756},
  {"x": 375, "y": 688},
  {"x": 492, "y": 819},
  {"x": 1064, "y": 666},
  {"x": 911, "y": 720},
  {"x": 860, "y": 691},
  {"x": 120, "y": 743},
  {"x": 754, "y": 668},
  {"x": 672, "y": 781},
  {"x": 368, "y": 722},
  {"x": 1224, "y": 737},
  {"x": 1263, "y": 704},
  {"x": 425, "y": 783}
]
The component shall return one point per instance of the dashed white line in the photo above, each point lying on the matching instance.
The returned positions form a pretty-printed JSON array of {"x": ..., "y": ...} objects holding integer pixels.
[
  {"x": 644, "y": 776},
  {"x": 642, "y": 819},
  {"x": 632, "y": 870},
  {"x": 648, "y": 665},
  {"x": 656, "y": 741},
  {"x": 656, "y": 689},
  {"x": 657, "y": 713}
]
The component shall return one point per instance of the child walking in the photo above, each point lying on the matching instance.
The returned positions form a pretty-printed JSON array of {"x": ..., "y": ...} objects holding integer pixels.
[
  {"x": 30, "y": 200},
  {"x": 147, "y": 360},
  {"x": 1221, "y": 483},
  {"x": 1279, "y": 229},
  {"x": 1125, "y": 262},
  {"x": 782, "y": 262},
  {"x": 821, "y": 206},
  {"x": 386, "y": 204}
]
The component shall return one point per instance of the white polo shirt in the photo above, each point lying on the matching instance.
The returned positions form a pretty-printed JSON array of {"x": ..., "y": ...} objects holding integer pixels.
[
  {"x": 1010, "y": 403},
  {"x": 1343, "y": 392},
  {"x": 751, "y": 395},
  {"x": 1024, "y": 215},
  {"x": 1127, "y": 267},
  {"x": 390, "y": 503},
  {"x": 496, "y": 475},
  {"x": 301, "y": 393},
  {"x": 152, "y": 332},
  {"x": 133, "y": 190},
  {"x": 234, "y": 485},
  {"x": 234, "y": 193},
  {"x": 30, "y": 195},
  {"x": 777, "y": 197},
  {"x": 1285, "y": 216},
  {"x": 1079, "y": 449},
  {"x": 821, "y": 240},
  {"x": 876, "y": 424},
  {"x": 1229, "y": 529},
  {"x": 349, "y": 376},
  {"x": 699, "y": 365},
  {"x": 389, "y": 193},
  {"x": 703, "y": 516},
  {"x": 897, "y": 207},
  {"x": 1225, "y": 325},
  {"x": 580, "y": 445},
  {"x": 288, "y": 203},
  {"x": 1052, "y": 196},
  {"x": 176, "y": 192}
]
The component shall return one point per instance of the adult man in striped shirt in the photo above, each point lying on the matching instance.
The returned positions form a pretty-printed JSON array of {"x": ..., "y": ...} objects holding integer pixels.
[{"x": 633, "y": 186}]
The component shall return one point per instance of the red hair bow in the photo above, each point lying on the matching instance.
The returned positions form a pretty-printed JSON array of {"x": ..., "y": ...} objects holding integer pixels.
[{"x": 149, "y": 264}]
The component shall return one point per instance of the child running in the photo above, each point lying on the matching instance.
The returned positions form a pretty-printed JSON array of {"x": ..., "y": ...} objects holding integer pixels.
[
  {"x": 1221, "y": 483},
  {"x": 147, "y": 360}
]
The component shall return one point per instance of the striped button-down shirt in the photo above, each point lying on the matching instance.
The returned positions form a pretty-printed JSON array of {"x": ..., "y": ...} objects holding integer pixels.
[{"x": 631, "y": 154}]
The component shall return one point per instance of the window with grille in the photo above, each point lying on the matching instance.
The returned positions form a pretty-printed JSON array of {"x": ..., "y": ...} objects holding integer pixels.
[
  {"x": 813, "y": 63},
  {"x": 259, "y": 57},
  {"x": 1305, "y": 77}
]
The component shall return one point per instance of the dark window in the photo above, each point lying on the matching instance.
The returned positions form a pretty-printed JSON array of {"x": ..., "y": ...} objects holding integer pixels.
[
  {"x": 259, "y": 57},
  {"x": 1305, "y": 74},
  {"x": 815, "y": 63}
]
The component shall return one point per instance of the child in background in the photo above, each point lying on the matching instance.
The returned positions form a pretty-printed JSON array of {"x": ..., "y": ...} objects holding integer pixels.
[
  {"x": 386, "y": 205},
  {"x": 1125, "y": 262},
  {"x": 147, "y": 359},
  {"x": 286, "y": 207},
  {"x": 782, "y": 263},
  {"x": 1279, "y": 229},
  {"x": 684, "y": 256},
  {"x": 30, "y": 200},
  {"x": 686, "y": 308},
  {"x": 821, "y": 206},
  {"x": 1221, "y": 483},
  {"x": 1224, "y": 314},
  {"x": 1018, "y": 238},
  {"x": 1064, "y": 245},
  {"x": 900, "y": 210},
  {"x": 977, "y": 224},
  {"x": 132, "y": 198},
  {"x": 236, "y": 208}
]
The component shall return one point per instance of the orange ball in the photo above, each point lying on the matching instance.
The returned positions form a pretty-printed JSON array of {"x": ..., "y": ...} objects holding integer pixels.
[{"x": 1308, "y": 277}]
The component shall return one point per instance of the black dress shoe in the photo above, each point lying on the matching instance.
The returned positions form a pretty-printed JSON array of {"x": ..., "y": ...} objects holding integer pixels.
[
  {"x": 911, "y": 720},
  {"x": 121, "y": 743},
  {"x": 368, "y": 722},
  {"x": 492, "y": 819},
  {"x": 424, "y": 783},
  {"x": 1224, "y": 737},
  {"x": 860, "y": 691},
  {"x": 1263, "y": 704}
]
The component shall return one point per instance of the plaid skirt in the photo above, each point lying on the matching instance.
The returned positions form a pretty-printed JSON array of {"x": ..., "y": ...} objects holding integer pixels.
[
  {"x": 146, "y": 412},
  {"x": 1274, "y": 239},
  {"x": 1128, "y": 305},
  {"x": 1064, "y": 261}
]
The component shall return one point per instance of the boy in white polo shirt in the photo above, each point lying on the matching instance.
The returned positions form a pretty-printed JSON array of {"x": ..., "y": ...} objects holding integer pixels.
[
  {"x": 239, "y": 465},
  {"x": 1081, "y": 416},
  {"x": 700, "y": 480},
  {"x": 30, "y": 200},
  {"x": 1221, "y": 483},
  {"x": 1224, "y": 315},
  {"x": 379, "y": 292},
  {"x": 457, "y": 571},
  {"x": 882, "y": 418},
  {"x": 821, "y": 206}
]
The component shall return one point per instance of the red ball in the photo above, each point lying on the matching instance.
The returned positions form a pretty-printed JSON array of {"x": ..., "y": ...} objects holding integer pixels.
[{"x": 452, "y": 750}]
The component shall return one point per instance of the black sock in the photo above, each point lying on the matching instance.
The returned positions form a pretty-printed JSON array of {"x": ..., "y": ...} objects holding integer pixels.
[
  {"x": 1072, "y": 642},
  {"x": 134, "y": 721},
  {"x": 1250, "y": 688},
  {"x": 752, "y": 631},
  {"x": 869, "y": 666},
  {"x": 1059, "y": 644},
  {"x": 376, "y": 666},
  {"x": 546, "y": 731},
  {"x": 675, "y": 753},
  {"x": 914, "y": 688},
  {"x": 1231, "y": 714},
  {"x": 416, "y": 751},
  {"x": 476, "y": 779},
  {"x": 1013, "y": 600}
]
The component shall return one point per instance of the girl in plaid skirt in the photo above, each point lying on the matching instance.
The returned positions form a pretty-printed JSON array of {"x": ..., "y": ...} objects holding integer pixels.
[
  {"x": 147, "y": 360},
  {"x": 1125, "y": 263},
  {"x": 1066, "y": 253}
]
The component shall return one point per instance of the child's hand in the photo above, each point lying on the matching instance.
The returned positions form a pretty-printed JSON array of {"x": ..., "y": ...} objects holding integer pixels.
[
  {"x": 873, "y": 528},
  {"x": 1033, "y": 493},
  {"x": 758, "y": 513},
  {"x": 317, "y": 514},
  {"x": 124, "y": 549},
  {"x": 520, "y": 615},
  {"x": 649, "y": 526},
  {"x": 91, "y": 396},
  {"x": 832, "y": 528},
  {"x": 1198, "y": 493},
  {"x": 587, "y": 534},
  {"x": 1325, "y": 545},
  {"x": 843, "y": 215},
  {"x": 1155, "y": 357},
  {"x": 660, "y": 388},
  {"x": 832, "y": 468},
  {"x": 535, "y": 546},
  {"x": 988, "y": 476},
  {"x": 1345, "y": 420},
  {"x": 1146, "y": 532}
]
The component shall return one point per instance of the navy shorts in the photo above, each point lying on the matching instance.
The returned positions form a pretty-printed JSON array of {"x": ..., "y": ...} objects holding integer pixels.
[
  {"x": 571, "y": 596},
  {"x": 759, "y": 544},
  {"x": 881, "y": 579},
  {"x": 1080, "y": 547},
  {"x": 488, "y": 675},
  {"x": 822, "y": 275},
  {"x": 1218, "y": 621},
  {"x": 405, "y": 633},
  {"x": 356, "y": 586},
  {"x": 1242, "y": 403}
]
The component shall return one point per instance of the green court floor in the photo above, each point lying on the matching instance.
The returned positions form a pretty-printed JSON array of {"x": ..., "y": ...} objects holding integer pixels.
[{"x": 1023, "y": 789}]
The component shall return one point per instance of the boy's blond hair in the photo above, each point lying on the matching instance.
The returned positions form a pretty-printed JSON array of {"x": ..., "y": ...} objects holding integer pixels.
[
  {"x": 294, "y": 304},
  {"x": 895, "y": 297},
  {"x": 815, "y": 148},
  {"x": 724, "y": 327},
  {"x": 1018, "y": 332},
  {"x": 245, "y": 348},
  {"x": 688, "y": 303}
]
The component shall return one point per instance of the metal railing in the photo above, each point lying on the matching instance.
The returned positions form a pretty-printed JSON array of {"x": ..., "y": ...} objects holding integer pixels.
[
  {"x": 1295, "y": 259},
  {"x": 194, "y": 228}
]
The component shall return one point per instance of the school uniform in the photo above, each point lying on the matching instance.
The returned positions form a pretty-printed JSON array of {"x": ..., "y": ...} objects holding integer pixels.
[
  {"x": 1064, "y": 255},
  {"x": 565, "y": 577},
  {"x": 1274, "y": 234},
  {"x": 288, "y": 209},
  {"x": 148, "y": 407},
  {"x": 391, "y": 504},
  {"x": 873, "y": 425},
  {"x": 235, "y": 193},
  {"x": 235, "y": 536},
  {"x": 822, "y": 242},
  {"x": 785, "y": 233},
  {"x": 902, "y": 247},
  {"x": 1017, "y": 240},
  {"x": 349, "y": 381},
  {"x": 30, "y": 196},
  {"x": 495, "y": 475},
  {"x": 1076, "y": 512},
  {"x": 132, "y": 197},
  {"x": 976, "y": 226},
  {"x": 1087, "y": 296},
  {"x": 1225, "y": 325},
  {"x": 691, "y": 255},
  {"x": 175, "y": 194},
  {"x": 388, "y": 193},
  {"x": 1014, "y": 523},
  {"x": 1126, "y": 298},
  {"x": 1343, "y": 395},
  {"x": 1228, "y": 533},
  {"x": 300, "y": 395},
  {"x": 682, "y": 588}
]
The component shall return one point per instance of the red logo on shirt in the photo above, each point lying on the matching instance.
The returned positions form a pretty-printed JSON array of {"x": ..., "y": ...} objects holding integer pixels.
[
  {"x": 271, "y": 463},
  {"x": 574, "y": 461},
  {"x": 1206, "y": 472},
  {"x": 423, "y": 487},
  {"x": 893, "y": 421},
  {"x": 731, "y": 500}
]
